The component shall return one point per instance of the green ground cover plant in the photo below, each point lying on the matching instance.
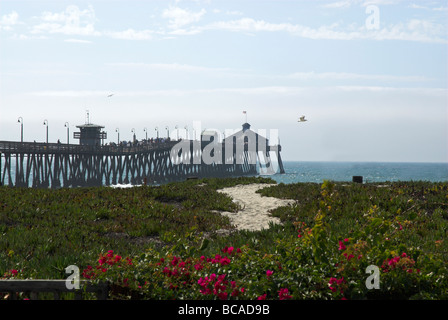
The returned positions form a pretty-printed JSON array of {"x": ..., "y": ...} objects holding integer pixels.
[{"x": 170, "y": 242}]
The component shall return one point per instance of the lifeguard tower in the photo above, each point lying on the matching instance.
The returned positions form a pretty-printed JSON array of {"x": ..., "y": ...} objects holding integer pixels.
[{"x": 90, "y": 134}]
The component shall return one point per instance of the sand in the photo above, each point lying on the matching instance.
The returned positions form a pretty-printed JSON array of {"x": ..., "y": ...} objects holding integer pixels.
[{"x": 254, "y": 215}]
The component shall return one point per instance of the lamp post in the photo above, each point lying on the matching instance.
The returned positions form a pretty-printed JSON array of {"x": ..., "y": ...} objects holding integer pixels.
[
  {"x": 68, "y": 132},
  {"x": 157, "y": 130},
  {"x": 146, "y": 133},
  {"x": 118, "y": 139},
  {"x": 46, "y": 124},
  {"x": 167, "y": 131},
  {"x": 133, "y": 138},
  {"x": 21, "y": 128}
]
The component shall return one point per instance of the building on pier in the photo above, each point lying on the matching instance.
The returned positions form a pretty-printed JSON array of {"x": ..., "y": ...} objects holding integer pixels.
[{"x": 90, "y": 134}]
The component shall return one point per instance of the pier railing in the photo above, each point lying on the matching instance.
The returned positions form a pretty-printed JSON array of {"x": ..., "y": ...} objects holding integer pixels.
[
  {"x": 32, "y": 288},
  {"x": 42, "y": 147}
]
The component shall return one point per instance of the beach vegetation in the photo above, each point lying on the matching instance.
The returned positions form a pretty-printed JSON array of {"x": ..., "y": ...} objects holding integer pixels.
[{"x": 170, "y": 242}]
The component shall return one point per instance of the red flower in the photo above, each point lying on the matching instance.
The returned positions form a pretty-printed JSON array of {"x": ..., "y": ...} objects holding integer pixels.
[
  {"x": 174, "y": 261},
  {"x": 262, "y": 297},
  {"x": 283, "y": 294},
  {"x": 222, "y": 295}
]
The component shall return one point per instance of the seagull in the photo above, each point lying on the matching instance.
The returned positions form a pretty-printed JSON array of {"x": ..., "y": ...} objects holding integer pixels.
[
  {"x": 110, "y": 95},
  {"x": 302, "y": 119}
]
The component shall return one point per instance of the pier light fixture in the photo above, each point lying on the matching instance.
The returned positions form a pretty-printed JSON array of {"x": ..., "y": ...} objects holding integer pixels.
[
  {"x": 46, "y": 124},
  {"x": 167, "y": 131},
  {"x": 134, "y": 137},
  {"x": 68, "y": 132},
  {"x": 20, "y": 120},
  {"x": 146, "y": 133},
  {"x": 157, "y": 130},
  {"x": 118, "y": 132}
]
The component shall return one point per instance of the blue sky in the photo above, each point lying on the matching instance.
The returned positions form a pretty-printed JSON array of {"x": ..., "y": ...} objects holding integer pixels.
[{"x": 370, "y": 76}]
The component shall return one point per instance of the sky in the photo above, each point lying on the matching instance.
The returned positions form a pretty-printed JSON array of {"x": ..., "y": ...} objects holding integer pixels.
[{"x": 369, "y": 76}]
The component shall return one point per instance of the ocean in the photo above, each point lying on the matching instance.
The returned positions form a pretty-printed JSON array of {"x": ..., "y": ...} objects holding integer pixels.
[{"x": 297, "y": 171}]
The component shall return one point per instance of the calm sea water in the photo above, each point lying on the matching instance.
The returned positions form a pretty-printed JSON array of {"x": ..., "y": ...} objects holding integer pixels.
[{"x": 370, "y": 171}]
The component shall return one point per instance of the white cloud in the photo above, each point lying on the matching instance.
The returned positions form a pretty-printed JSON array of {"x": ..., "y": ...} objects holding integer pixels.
[
  {"x": 234, "y": 13},
  {"x": 167, "y": 67},
  {"x": 255, "y": 91},
  {"x": 414, "y": 30},
  {"x": 179, "y": 17},
  {"x": 131, "y": 34},
  {"x": 7, "y": 21},
  {"x": 339, "y": 4},
  {"x": 77, "y": 41},
  {"x": 72, "y": 21},
  {"x": 364, "y": 3},
  {"x": 353, "y": 76}
]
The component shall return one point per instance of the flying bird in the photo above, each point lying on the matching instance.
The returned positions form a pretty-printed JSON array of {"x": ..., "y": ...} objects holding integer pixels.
[
  {"x": 110, "y": 95},
  {"x": 302, "y": 119}
]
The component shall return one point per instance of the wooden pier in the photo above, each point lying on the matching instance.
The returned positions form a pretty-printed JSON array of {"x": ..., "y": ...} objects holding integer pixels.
[{"x": 55, "y": 165}]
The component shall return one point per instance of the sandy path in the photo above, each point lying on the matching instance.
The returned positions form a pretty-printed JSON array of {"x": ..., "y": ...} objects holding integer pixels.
[{"x": 254, "y": 215}]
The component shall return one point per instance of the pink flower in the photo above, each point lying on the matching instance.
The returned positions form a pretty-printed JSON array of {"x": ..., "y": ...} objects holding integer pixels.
[
  {"x": 222, "y": 295},
  {"x": 198, "y": 266},
  {"x": 174, "y": 261},
  {"x": 283, "y": 294},
  {"x": 224, "y": 261},
  {"x": 269, "y": 273},
  {"x": 262, "y": 297},
  {"x": 341, "y": 246}
]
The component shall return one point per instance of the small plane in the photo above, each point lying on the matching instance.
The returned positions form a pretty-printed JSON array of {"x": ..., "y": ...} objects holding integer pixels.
[{"x": 302, "y": 119}]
